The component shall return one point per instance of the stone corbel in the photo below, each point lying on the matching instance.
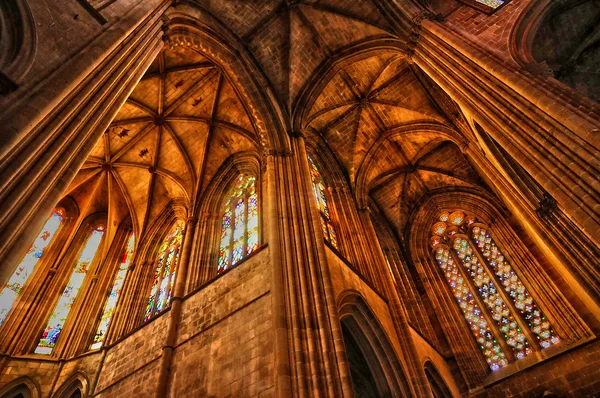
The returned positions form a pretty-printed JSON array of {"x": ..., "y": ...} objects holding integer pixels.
[{"x": 546, "y": 206}]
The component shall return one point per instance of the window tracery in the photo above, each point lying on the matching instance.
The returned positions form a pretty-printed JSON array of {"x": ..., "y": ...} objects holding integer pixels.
[
  {"x": 66, "y": 300},
  {"x": 320, "y": 194},
  {"x": 113, "y": 297},
  {"x": 239, "y": 225},
  {"x": 27, "y": 265},
  {"x": 495, "y": 303},
  {"x": 166, "y": 269}
]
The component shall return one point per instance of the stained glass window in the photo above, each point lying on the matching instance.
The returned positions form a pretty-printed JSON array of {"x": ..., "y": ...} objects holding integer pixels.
[
  {"x": 66, "y": 300},
  {"x": 493, "y": 4},
  {"x": 487, "y": 290},
  {"x": 239, "y": 227},
  {"x": 27, "y": 265},
  {"x": 319, "y": 190},
  {"x": 164, "y": 274},
  {"x": 113, "y": 297}
]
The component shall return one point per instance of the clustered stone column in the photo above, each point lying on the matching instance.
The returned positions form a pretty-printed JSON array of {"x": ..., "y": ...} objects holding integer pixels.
[
  {"x": 38, "y": 163},
  {"x": 309, "y": 344}
]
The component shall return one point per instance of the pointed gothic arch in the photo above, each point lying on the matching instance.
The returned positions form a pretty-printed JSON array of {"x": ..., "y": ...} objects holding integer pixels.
[
  {"x": 23, "y": 387},
  {"x": 451, "y": 273},
  {"x": 76, "y": 386},
  {"x": 372, "y": 347}
]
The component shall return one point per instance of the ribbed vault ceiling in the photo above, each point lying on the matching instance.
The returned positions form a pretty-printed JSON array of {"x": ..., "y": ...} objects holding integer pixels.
[
  {"x": 185, "y": 118},
  {"x": 291, "y": 38},
  {"x": 179, "y": 124},
  {"x": 374, "y": 115}
]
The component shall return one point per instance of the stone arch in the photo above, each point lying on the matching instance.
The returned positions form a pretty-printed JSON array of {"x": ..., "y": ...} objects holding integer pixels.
[
  {"x": 438, "y": 386},
  {"x": 208, "y": 212},
  {"x": 190, "y": 25},
  {"x": 17, "y": 43},
  {"x": 569, "y": 52},
  {"x": 24, "y": 387},
  {"x": 319, "y": 79},
  {"x": 361, "y": 188},
  {"x": 76, "y": 386},
  {"x": 539, "y": 281},
  {"x": 360, "y": 322}
]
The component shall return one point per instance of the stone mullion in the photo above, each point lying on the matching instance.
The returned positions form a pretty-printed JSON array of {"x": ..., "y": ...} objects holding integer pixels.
[
  {"x": 545, "y": 294},
  {"x": 30, "y": 299},
  {"x": 414, "y": 371},
  {"x": 176, "y": 308},
  {"x": 471, "y": 361},
  {"x": 61, "y": 144},
  {"x": 508, "y": 350},
  {"x": 81, "y": 320},
  {"x": 454, "y": 66},
  {"x": 124, "y": 305},
  {"x": 77, "y": 321},
  {"x": 516, "y": 313},
  {"x": 112, "y": 326},
  {"x": 50, "y": 292},
  {"x": 554, "y": 249}
]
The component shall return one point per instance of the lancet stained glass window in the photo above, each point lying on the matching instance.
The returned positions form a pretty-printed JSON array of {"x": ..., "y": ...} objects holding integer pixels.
[
  {"x": 166, "y": 269},
  {"x": 113, "y": 297},
  {"x": 239, "y": 227},
  {"x": 319, "y": 189},
  {"x": 501, "y": 307},
  {"x": 27, "y": 265},
  {"x": 66, "y": 300}
]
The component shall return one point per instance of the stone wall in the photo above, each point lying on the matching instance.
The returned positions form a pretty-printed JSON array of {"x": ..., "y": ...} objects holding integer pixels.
[
  {"x": 224, "y": 347},
  {"x": 572, "y": 374},
  {"x": 225, "y": 342}
]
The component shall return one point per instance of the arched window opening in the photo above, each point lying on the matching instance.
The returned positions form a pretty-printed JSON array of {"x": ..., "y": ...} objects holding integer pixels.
[
  {"x": 239, "y": 226},
  {"x": 66, "y": 300},
  {"x": 115, "y": 292},
  {"x": 320, "y": 195},
  {"x": 27, "y": 265},
  {"x": 166, "y": 269},
  {"x": 500, "y": 311}
]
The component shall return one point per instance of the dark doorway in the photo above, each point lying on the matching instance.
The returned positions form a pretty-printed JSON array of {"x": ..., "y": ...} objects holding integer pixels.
[{"x": 362, "y": 377}]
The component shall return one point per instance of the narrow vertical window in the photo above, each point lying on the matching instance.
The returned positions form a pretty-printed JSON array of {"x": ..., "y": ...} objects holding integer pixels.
[
  {"x": 164, "y": 275},
  {"x": 66, "y": 300},
  {"x": 27, "y": 265},
  {"x": 494, "y": 292},
  {"x": 113, "y": 297},
  {"x": 239, "y": 227},
  {"x": 320, "y": 195}
]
